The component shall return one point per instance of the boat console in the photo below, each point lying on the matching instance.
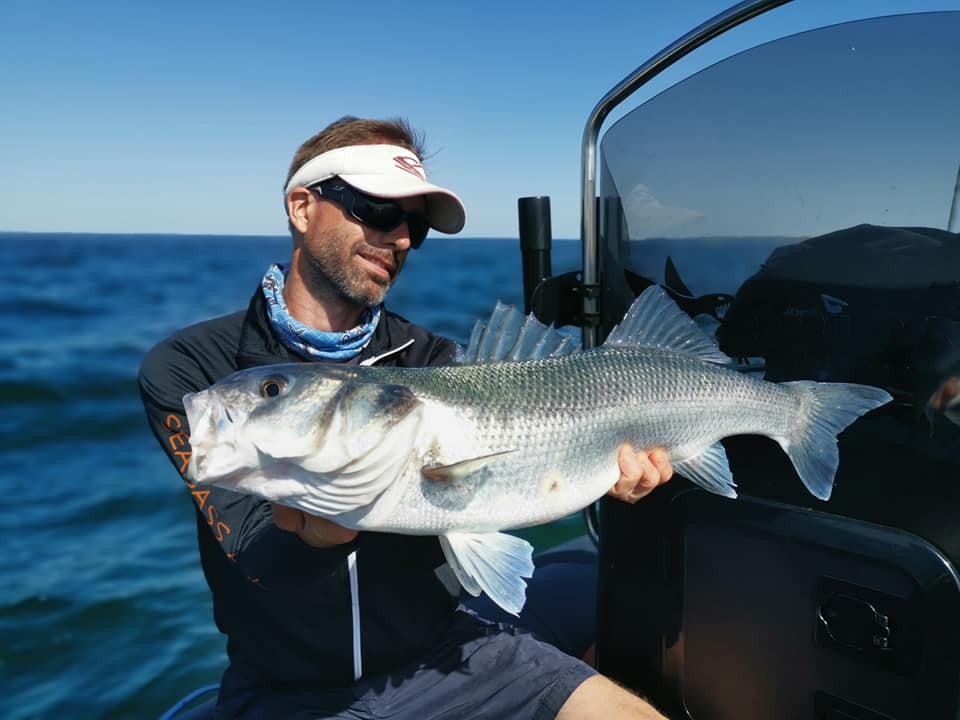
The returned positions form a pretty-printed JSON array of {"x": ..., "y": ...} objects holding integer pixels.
[{"x": 801, "y": 201}]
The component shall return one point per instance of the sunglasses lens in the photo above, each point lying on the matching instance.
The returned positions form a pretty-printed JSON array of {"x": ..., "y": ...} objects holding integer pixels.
[
  {"x": 418, "y": 227},
  {"x": 386, "y": 215},
  {"x": 379, "y": 214}
]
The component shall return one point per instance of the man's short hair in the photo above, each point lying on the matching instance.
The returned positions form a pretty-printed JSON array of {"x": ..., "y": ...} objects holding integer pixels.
[{"x": 350, "y": 130}]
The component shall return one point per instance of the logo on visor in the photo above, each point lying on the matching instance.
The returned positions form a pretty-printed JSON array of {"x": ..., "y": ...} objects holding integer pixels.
[{"x": 411, "y": 165}]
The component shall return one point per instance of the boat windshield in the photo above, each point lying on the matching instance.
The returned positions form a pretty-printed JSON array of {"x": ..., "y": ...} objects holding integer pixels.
[{"x": 800, "y": 199}]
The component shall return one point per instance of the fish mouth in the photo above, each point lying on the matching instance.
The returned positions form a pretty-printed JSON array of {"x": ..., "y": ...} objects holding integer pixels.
[
  {"x": 215, "y": 448},
  {"x": 206, "y": 417}
]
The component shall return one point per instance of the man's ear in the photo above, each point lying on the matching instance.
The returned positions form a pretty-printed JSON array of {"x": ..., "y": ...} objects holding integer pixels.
[{"x": 298, "y": 200}]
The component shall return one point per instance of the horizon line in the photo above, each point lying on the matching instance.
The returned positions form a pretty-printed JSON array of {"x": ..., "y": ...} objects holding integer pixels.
[{"x": 238, "y": 235}]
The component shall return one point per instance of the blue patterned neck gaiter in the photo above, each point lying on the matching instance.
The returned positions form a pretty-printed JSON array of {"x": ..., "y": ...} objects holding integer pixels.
[{"x": 305, "y": 341}]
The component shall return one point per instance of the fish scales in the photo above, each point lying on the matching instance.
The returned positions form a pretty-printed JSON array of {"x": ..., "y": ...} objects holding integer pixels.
[{"x": 563, "y": 433}]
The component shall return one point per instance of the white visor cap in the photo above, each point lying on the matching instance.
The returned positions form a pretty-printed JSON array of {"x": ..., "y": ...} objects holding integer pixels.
[{"x": 386, "y": 171}]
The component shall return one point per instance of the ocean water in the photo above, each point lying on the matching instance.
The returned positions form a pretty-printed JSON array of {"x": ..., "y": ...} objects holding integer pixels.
[{"x": 104, "y": 612}]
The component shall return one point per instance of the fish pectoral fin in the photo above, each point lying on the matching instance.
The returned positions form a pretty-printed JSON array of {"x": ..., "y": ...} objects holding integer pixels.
[
  {"x": 710, "y": 470},
  {"x": 460, "y": 470},
  {"x": 494, "y": 563}
]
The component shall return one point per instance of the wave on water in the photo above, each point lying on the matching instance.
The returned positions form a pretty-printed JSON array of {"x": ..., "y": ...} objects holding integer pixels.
[
  {"x": 33, "y": 309},
  {"x": 50, "y": 392}
]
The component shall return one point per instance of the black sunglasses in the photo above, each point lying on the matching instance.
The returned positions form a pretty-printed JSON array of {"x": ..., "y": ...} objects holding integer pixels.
[{"x": 378, "y": 213}]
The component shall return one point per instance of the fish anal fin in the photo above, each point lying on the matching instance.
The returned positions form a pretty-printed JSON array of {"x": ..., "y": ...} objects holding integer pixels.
[
  {"x": 494, "y": 563},
  {"x": 460, "y": 470},
  {"x": 710, "y": 470}
]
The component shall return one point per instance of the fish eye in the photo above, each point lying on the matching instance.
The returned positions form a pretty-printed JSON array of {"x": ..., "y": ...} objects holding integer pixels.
[{"x": 272, "y": 387}]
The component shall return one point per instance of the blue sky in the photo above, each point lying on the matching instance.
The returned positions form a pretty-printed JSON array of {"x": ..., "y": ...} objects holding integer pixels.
[{"x": 182, "y": 117}]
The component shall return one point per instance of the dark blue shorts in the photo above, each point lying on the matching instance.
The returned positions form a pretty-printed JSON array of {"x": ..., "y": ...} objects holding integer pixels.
[
  {"x": 481, "y": 669},
  {"x": 561, "y": 605}
]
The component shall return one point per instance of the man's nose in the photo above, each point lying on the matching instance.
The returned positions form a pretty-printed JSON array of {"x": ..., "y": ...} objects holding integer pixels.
[{"x": 398, "y": 238}]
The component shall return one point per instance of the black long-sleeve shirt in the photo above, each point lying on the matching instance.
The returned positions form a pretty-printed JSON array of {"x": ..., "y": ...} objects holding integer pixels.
[{"x": 290, "y": 616}]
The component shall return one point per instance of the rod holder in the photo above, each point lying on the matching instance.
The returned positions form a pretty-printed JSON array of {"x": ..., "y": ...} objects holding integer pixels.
[{"x": 535, "y": 238}]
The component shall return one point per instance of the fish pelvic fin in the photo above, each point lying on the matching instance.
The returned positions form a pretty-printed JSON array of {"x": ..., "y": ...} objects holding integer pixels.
[
  {"x": 655, "y": 320},
  {"x": 494, "y": 563},
  {"x": 710, "y": 470},
  {"x": 826, "y": 409},
  {"x": 509, "y": 335}
]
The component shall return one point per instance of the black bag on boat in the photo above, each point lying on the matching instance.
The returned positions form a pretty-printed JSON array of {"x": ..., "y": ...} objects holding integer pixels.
[{"x": 868, "y": 304}]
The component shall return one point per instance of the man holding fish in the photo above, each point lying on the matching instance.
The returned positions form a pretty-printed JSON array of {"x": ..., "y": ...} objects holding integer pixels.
[{"x": 323, "y": 620}]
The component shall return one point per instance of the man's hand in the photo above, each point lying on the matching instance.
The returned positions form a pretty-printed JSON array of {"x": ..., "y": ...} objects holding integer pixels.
[
  {"x": 640, "y": 472},
  {"x": 315, "y": 531}
]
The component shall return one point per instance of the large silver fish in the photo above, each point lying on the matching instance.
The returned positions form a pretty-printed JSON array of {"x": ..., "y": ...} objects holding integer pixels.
[{"x": 465, "y": 451}]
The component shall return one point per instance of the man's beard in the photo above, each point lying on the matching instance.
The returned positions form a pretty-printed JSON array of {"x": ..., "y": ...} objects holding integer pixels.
[{"x": 337, "y": 270}]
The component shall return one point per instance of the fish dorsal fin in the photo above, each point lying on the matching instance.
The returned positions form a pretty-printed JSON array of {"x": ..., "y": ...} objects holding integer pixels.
[
  {"x": 654, "y": 320},
  {"x": 509, "y": 335}
]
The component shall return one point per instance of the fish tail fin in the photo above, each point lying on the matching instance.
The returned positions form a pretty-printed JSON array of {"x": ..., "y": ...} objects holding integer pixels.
[{"x": 826, "y": 409}]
